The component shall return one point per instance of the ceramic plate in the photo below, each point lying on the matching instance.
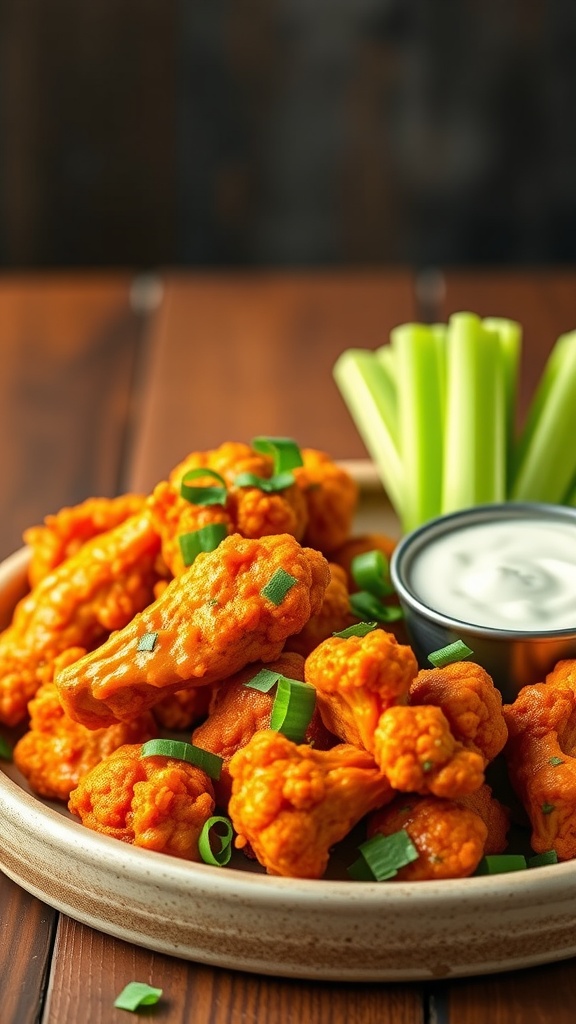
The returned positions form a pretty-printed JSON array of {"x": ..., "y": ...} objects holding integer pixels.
[{"x": 236, "y": 918}]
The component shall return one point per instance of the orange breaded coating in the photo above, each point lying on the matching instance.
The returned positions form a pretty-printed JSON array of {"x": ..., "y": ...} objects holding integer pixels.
[
  {"x": 183, "y": 709},
  {"x": 173, "y": 516},
  {"x": 210, "y": 622},
  {"x": 57, "y": 752},
  {"x": 334, "y": 615},
  {"x": 291, "y": 803},
  {"x": 347, "y": 552},
  {"x": 258, "y": 514},
  {"x": 237, "y": 711},
  {"x": 450, "y": 838},
  {"x": 540, "y": 754},
  {"x": 229, "y": 460},
  {"x": 63, "y": 534},
  {"x": 331, "y": 496},
  {"x": 158, "y": 803},
  {"x": 414, "y": 747},
  {"x": 97, "y": 590},
  {"x": 470, "y": 702},
  {"x": 495, "y": 816},
  {"x": 357, "y": 679}
]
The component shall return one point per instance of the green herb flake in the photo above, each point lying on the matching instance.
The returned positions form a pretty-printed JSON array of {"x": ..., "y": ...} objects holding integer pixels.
[
  {"x": 137, "y": 994},
  {"x": 5, "y": 750},
  {"x": 547, "y": 808},
  {"x": 383, "y": 856},
  {"x": 264, "y": 680},
  {"x": 284, "y": 451},
  {"x": 293, "y": 708},
  {"x": 215, "y": 841},
  {"x": 427, "y": 766},
  {"x": 360, "y": 629},
  {"x": 447, "y": 655},
  {"x": 366, "y": 606},
  {"x": 181, "y": 751},
  {"x": 203, "y": 495},
  {"x": 541, "y": 859},
  {"x": 499, "y": 864},
  {"x": 278, "y": 586},
  {"x": 555, "y": 761},
  {"x": 207, "y": 538},
  {"x": 270, "y": 485},
  {"x": 147, "y": 642},
  {"x": 370, "y": 572}
]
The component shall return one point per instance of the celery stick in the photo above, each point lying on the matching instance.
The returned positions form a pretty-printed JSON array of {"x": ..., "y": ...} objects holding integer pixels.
[
  {"x": 510, "y": 336},
  {"x": 420, "y": 421},
  {"x": 369, "y": 394},
  {"x": 385, "y": 356},
  {"x": 546, "y": 462},
  {"x": 475, "y": 425}
]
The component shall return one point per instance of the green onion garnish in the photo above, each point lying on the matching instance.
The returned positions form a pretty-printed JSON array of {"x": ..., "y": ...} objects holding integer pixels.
[
  {"x": 223, "y": 832},
  {"x": 207, "y": 538},
  {"x": 278, "y": 482},
  {"x": 360, "y": 629},
  {"x": 498, "y": 864},
  {"x": 365, "y": 606},
  {"x": 452, "y": 652},
  {"x": 555, "y": 761},
  {"x": 293, "y": 708},
  {"x": 264, "y": 680},
  {"x": 284, "y": 451},
  {"x": 278, "y": 586},
  {"x": 5, "y": 750},
  {"x": 541, "y": 859},
  {"x": 204, "y": 759},
  {"x": 203, "y": 495},
  {"x": 381, "y": 857},
  {"x": 147, "y": 642},
  {"x": 370, "y": 572},
  {"x": 547, "y": 808},
  {"x": 136, "y": 994}
]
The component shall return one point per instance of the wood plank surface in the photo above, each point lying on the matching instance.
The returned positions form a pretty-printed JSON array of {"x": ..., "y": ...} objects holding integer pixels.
[
  {"x": 27, "y": 929},
  {"x": 232, "y": 356}
]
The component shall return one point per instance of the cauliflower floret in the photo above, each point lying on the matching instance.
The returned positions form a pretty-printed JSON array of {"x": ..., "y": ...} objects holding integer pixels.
[
  {"x": 334, "y": 615},
  {"x": 331, "y": 497}
]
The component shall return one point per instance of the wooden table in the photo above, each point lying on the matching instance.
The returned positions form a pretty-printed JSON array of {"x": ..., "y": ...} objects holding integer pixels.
[{"x": 105, "y": 382}]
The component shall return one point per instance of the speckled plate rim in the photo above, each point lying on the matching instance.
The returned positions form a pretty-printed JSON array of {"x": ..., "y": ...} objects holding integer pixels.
[{"x": 248, "y": 921}]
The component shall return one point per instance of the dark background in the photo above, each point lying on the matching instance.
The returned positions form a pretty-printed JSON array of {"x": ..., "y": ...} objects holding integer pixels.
[{"x": 287, "y": 132}]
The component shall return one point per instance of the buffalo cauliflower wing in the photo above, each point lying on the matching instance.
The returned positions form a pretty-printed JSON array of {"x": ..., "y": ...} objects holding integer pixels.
[
  {"x": 221, "y": 614},
  {"x": 158, "y": 803},
  {"x": 291, "y": 803},
  {"x": 173, "y": 516},
  {"x": 357, "y": 678},
  {"x": 331, "y": 498}
]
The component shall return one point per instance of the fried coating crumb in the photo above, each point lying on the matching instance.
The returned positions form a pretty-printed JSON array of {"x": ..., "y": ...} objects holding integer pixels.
[
  {"x": 158, "y": 803},
  {"x": 183, "y": 709},
  {"x": 334, "y": 615},
  {"x": 494, "y": 814},
  {"x": 416, "y": 750},
  {"x": 292, "y": 803},
  {"x": 173, "y": 516},
  {"x": 211, "y": 621},
  {"x": 357, "y": 679},
  {"x": 331, "y": 497},
  {"x": 450, "y": 838},
  {"x": 470, "y": 702},
  {"x": 229, "y": 460}
]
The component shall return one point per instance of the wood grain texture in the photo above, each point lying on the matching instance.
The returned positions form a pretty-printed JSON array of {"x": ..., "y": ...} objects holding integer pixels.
[
  {"x": 232, "y": 356},
  {"x": 544, "y": 995},
  {"x": 27, "y": 929},
  {"x": 68, "y": 345}
]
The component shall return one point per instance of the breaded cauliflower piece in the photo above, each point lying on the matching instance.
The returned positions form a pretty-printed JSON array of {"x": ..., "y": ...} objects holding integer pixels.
[
  {"x": 470, "y": 702},
  {"x": 183, "y": 709},
  {"x": 97, "y": 590},
  {"x": 291, "y": 803},
  {"x": 334, "y": 615},
  {"x": 495, "y": 816},
  {"x": 173, "y": 516},
  {"x": 256, "y": 513},
  {"x": 357, "y": 679},
  {"x": 331, "y": 497},
  {"x": 64, "y": 533},
  {"x": 209, "y": 622},
  {"x": 414, "y": 747},
  {"x": 238, "y": 711},
  {"x": 450, "y": 838},
  {"x": 229, "y": 460},
  {"x": 57, "y": 752},
  {"x": 541, "y": 758},
  {"x": 353, "y": 546},
  {"x": 158, "y": 803}
]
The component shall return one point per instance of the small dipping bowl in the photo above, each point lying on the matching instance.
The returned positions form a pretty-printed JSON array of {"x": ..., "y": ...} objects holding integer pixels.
[{"x": 501, "y": 578}]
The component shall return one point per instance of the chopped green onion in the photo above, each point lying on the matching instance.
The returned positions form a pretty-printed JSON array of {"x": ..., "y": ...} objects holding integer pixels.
[
  {"x": 203, "y": 495},
  {"x": 360, "y": 629},
  {"x": 264, "y": 680},
  {"x": 218, "y": 858},
  {"x": 555, "y": 761},
  {"x": 147, "y": 642},
  {"x": 547, "y": 808},
  {"x": 498, "y": 864},
  {"x": 365, "y": 606},
  {"x": 452, "y": 652},
  {"x": 136, "y": 994},
  {"x": 541, "y": 859},
  {"x": 204, "y": 759},
  {"x": 383, "y": 856},
  {"x": 5, "y": 750},
  {"x": 207, "y": 538},
  {"x": 370, "y": 572},
  {"x": 278, "y": 482},
  {"x": 284, "y": 450},
  {"x": 278, "y": 586},
  {"x": 293, "y": 708}
]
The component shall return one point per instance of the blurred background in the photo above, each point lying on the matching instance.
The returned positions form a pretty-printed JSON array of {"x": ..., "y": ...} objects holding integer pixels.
[{"x": 226, "y": 133}]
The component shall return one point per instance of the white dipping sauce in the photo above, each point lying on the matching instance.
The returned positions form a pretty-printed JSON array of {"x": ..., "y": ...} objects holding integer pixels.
[{"x": 515, "y": 574}]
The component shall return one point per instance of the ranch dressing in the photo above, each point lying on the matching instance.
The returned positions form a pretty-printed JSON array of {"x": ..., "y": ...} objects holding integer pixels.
[{"x": 516, "y": 574}]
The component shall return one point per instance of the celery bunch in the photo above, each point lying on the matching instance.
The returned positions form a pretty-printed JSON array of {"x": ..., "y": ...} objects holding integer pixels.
[{"x": 436, "y": 410}]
